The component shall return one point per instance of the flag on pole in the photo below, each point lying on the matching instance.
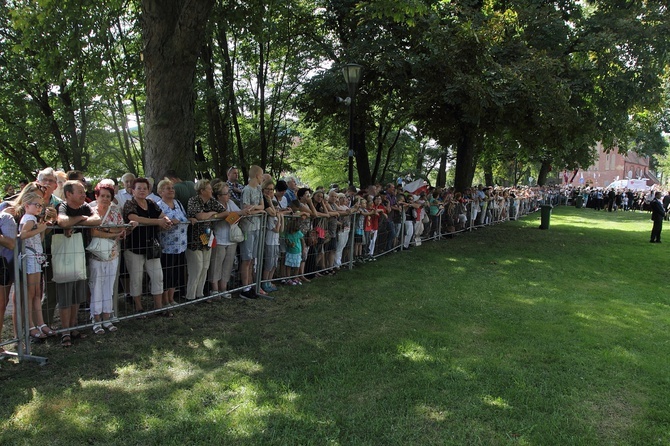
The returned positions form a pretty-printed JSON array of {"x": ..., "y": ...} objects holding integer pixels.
[{"x": 416, "y": 187}]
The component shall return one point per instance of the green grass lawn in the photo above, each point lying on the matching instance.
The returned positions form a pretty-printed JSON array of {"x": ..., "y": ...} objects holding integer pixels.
[{"x": 506, "y": 335}]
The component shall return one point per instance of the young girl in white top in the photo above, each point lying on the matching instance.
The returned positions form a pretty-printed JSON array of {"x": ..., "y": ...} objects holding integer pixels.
[{"x": 30, "y": 231}]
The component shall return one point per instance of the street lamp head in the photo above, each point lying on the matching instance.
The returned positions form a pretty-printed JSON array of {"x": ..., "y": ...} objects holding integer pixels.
[
  {"x": 345, "y": 101},
  {"x": 352, "y": 76}
]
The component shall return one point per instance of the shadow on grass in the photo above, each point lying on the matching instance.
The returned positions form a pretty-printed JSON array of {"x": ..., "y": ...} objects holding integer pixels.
[{"x": 506, "y": 334}]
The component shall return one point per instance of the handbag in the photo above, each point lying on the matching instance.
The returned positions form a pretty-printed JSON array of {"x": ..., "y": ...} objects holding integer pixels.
[
  {"x": 323, "y": 235},
  {"x": 311, "y": 238},
  {"x": 236, "y": 234},
  {"x": 154, "y": 250},
  {"x": 68, "y": 258},
  {"x": 100, "y": 247}
]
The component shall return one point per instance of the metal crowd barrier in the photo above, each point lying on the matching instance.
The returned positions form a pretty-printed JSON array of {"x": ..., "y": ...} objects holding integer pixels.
[{"x": 339, "y": 246}]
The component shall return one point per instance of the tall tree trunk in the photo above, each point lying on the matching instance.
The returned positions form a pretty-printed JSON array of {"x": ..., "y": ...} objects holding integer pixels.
[
  {"x": 41, "y": 99},
  {"x": 262, "y": 81},
  {"x": 361, "y": 153},
  {"x": 442, "y": 172},
  {"x": 172, "y": 33},
  {"x": 466, "y": 158},
  {"x": 121, "y": 132},
  {"x": 216, "y": 139},
  {"x": 488, "y": 174},
  {"x": 545, "y": 168},
  {"x": 389, "y": 153},
  {"x": 231, "y": 103}
]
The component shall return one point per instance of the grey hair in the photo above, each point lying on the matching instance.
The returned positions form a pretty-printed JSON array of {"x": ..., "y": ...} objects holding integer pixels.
[
  {"x": 46, "y": 172},
  {"x": 127, "y": 175}
]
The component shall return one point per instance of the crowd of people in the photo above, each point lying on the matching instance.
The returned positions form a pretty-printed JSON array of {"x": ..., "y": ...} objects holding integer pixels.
[
  {"x": 615, "y": 199},
  {"x": 185, "y": 241}
]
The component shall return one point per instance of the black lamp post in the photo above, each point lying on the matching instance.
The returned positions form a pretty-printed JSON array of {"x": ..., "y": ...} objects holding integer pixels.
[{"x": 352, "y": 76}]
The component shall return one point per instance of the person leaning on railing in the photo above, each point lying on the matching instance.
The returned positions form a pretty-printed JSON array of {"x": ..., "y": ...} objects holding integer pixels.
[
  {"x": 173, "y": 240},
  {"x": 102, "y": 277},
  {"x": 201, "y": 208},
  {"x": 31, "y": 231},
  {"x": 333, "y": 223},
  {"x": 8, "y": 232},
  {"x": 139, "y": 253},
  {"x": 343, "y": 228},
  {"x": 72, "y": 212},
  {"x": 31, "y": 195},
  {"x": 274, "y": 225},
  {"x": 223, "y": 254},
  {"x": 321, "y": 216},
  {"x": 306, "y": 211},
  {"x": 251, "y": 204}
]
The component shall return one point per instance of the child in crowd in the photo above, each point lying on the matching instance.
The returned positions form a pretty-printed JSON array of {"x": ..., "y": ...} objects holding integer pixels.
[
  {"x": 359, "y": 233},
  {"x": 370, "y": 227},
  {"x": 378, "y": 214},
  {"x": 293, "y": 238},
  {"x": 274, "y": 225},
  {"x": 31, "y": 231}
]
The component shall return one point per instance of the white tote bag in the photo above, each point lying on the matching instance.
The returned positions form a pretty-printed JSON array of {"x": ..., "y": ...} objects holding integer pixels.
[{"x": 68, "y": 258}]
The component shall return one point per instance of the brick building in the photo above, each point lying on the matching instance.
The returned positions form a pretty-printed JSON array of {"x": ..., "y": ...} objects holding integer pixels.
[{"x": 613, "y": 166}]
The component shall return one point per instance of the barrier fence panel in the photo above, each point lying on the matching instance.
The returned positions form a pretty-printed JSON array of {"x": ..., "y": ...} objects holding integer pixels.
[
  {"x": 25, "y": 310},
  {"x": 94, "y": 291}
]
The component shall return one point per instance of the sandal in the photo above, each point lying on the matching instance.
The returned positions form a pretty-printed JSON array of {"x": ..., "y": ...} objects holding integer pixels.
[
  {"x": 49, "y": 331},
  {"x": 66, "y": 340},
  {"x": 38, "y": 333},
  {"x": 76, "y": 334},
  {"x": 97, "y": 329},
  {"x": 109, "y": 326}
]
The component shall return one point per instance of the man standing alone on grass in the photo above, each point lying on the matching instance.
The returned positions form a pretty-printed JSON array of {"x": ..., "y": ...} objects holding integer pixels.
[{"x": 657, "y": 214}]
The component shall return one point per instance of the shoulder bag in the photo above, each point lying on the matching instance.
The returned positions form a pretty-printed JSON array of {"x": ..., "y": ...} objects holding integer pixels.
[
  {"x": 68, "y": 258},
  {"x": 100, "y": 247},
  {"x": 236, "y": 235}
]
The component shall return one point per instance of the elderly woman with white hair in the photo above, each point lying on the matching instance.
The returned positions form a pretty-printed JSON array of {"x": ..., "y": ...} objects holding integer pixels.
[
  {"x": 173, "y": 240},
  {"x": 201, "y": 209},
  {"x": 223, "y": 255}
]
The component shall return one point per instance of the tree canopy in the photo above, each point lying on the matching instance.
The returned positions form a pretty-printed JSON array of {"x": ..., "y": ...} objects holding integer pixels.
[{"x": 113, "y": 86}]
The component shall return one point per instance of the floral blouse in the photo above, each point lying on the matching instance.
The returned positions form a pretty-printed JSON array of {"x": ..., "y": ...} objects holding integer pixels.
[
  {"x": 201, "y": 231},
  {"x": 175, "y": 240},
  {"x": 114, "y": 218}
]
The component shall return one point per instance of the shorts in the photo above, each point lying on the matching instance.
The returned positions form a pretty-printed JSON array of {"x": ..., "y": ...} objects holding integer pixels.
[
  {"x": 293, "y": 260},
  {"x": 249, "y": 247},
  {"x": 71, "y": 293},
  {"x": 271, "y": 257},
  {"x": 6, "y": 272},
  {"x": 331, "y": 245},
  {"x": 33, "y": 261}
]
